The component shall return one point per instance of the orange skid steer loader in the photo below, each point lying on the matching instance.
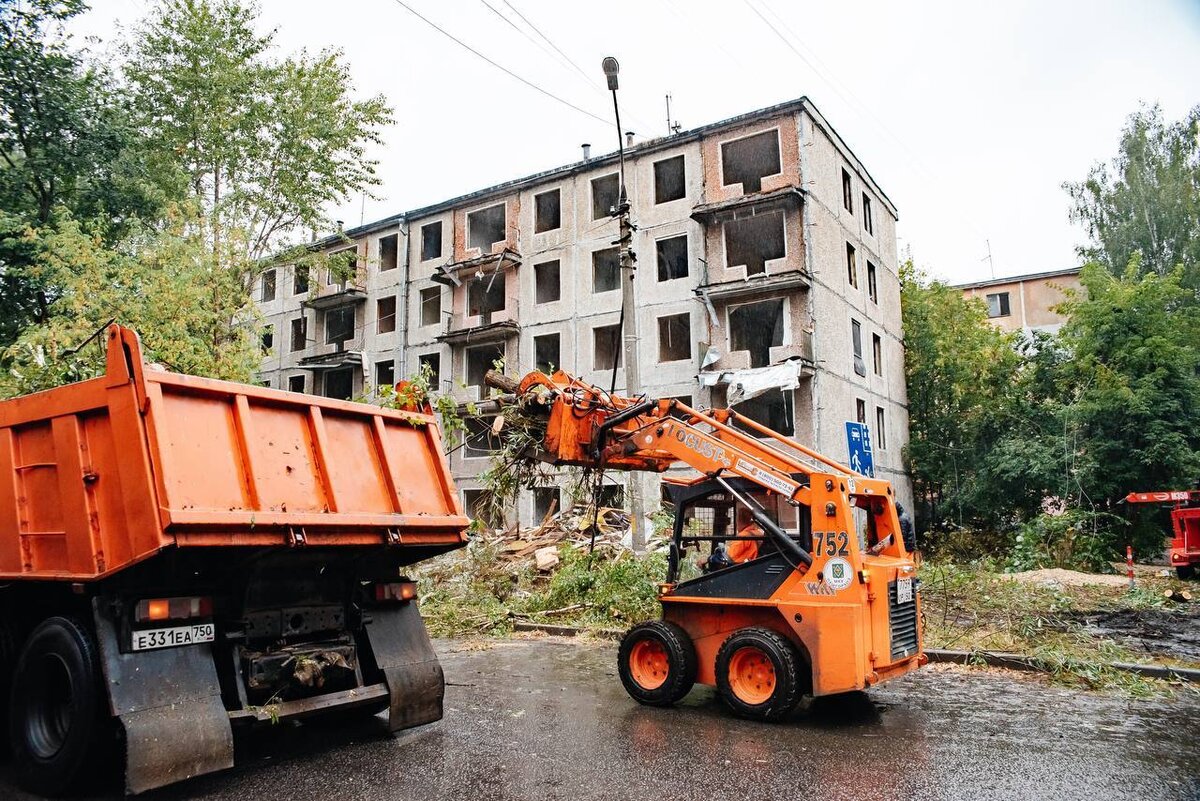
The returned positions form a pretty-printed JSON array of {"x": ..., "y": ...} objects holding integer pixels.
[{"x": 819, "y": 605}]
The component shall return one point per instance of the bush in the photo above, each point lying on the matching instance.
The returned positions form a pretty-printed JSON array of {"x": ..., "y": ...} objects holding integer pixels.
[
  {"x": 1076, "y": 539},
  {"x": 621, "y": 588}
]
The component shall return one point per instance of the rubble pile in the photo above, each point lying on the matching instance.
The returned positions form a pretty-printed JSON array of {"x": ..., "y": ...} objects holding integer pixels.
[{"x": 573, "y": 526}]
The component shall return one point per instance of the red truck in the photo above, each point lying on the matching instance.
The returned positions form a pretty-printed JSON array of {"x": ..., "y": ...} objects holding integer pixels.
[
  {"x": 1185, "y": 522},
  {"x": 181, "y": 556}
]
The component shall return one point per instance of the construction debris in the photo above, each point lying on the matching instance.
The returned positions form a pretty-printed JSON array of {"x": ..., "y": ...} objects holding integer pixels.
[{"x": 572, "y": 526}]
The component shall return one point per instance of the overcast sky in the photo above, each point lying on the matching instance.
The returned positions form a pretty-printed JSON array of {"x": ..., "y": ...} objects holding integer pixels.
[{"x": 970, "y": 116}]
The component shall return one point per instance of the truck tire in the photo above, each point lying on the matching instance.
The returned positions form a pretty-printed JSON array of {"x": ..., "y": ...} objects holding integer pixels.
[
  {"x": 1185, "y": 572},
  {"x": 657, "y": 663},
  {"x": 58, "y": 710},
  {"x": 758, "y": 674}
]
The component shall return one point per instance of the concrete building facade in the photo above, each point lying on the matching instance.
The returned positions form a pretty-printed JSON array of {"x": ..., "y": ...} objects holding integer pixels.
[
  {"x": 766, "y": 266},
  {"x": 1026, "y": 302}
]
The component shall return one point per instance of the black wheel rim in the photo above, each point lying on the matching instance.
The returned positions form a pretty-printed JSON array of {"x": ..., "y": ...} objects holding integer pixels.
[{"x": 49, "y": 706}]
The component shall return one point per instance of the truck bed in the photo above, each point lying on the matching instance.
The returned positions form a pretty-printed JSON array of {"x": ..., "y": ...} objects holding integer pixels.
[{"x": 98, "y": 475}]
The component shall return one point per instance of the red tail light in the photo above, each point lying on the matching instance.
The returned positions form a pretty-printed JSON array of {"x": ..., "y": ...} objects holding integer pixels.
[
  {"x": 396, "y": 591},
  {"x": 152, "y": 609}
]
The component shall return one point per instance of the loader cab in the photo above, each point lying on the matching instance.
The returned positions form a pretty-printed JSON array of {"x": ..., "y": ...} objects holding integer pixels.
[{"x": 706, "y": 515}]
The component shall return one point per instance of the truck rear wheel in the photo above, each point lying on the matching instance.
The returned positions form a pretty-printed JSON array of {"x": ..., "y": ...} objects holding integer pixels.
[
  {"x": 1185, "y": 572},
  {"x": 57, "y": 708},
  {"x": 758, "y": 674},
  {"x": 657, "y": 663}
]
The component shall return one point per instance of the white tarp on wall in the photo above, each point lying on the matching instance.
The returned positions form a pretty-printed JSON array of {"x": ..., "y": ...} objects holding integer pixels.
[{"x": 750, "y": 383}]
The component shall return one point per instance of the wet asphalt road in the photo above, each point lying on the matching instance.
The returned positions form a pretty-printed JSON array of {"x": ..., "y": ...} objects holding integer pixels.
[{"x": 543, "y": 719}]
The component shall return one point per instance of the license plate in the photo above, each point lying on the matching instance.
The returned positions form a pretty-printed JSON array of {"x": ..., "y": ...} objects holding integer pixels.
[
  {"x": 904, "y": 590},
  {"x": 172, "y": 637}
]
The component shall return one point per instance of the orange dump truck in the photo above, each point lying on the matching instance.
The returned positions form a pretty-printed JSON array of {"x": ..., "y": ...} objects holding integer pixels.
[{"x": 180, "y": 556}]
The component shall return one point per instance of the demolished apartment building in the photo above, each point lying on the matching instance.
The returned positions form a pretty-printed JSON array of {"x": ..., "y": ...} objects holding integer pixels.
[{"x": 767, "y": 278}]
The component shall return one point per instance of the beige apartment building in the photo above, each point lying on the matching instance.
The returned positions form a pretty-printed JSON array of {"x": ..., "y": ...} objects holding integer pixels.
[
  {"x": 766, "y": 276},
  {"x": 1025, "y": 302}
]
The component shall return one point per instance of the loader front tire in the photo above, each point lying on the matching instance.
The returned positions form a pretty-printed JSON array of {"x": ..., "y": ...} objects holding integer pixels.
[
  {"x": 57, "y": 710},
  {"x": 657, "y": 663},
  {"x": 758, "y": 674},
  {"x": 1185, "y": 572}
]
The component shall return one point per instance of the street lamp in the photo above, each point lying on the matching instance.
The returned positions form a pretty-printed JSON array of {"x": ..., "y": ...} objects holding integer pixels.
[{"x": 629, "y": 317}]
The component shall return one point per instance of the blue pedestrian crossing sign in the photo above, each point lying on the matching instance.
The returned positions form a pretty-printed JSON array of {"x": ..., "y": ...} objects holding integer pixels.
[{"x": 858, "y": 438}]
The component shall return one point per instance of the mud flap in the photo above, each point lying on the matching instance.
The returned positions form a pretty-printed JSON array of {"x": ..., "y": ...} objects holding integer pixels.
[
  {"x": 169, "y": 703},
  {"x": 410, "y": 667}
]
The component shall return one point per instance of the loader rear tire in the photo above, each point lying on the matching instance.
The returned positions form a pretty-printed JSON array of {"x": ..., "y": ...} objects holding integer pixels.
[
  {"x": 58, "y": 710},
  {"x": 657, "y": 663},
  {"x": 758, "y": 674}
]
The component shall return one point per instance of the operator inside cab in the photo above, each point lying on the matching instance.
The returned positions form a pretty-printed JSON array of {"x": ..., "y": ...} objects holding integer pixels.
[{"x": 742, "y": 548}]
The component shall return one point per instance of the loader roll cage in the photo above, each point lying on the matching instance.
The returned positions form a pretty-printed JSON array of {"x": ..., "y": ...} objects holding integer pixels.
[{"x": 721, "y": 494}]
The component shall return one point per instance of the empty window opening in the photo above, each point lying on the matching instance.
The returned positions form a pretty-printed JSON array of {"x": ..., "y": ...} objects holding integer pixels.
[
  {"x": 385, "y": 373},
  {"x": 860, "y": 410},
  {"x": 387, "y": 253},
  {"x": 997, "y": 304},
  {"x": 486, "y": 295},
  {"x": 868, "y": 221},
  {"x": 432, "y": 361},
  {"x": 479, "y": 359},
  {"x": 385, "y": 314},
  {"x": 772, "y": 409},
  {"x": 606, "y": 270},
  {"x": 547, "y": 211},
  {"x": 756, "y": 327},
  {"x": 431, "y": 241},
  {"x": 613, "y": 496},
  {"x": 675, "y": 337},
  {"x": 668, "y": 180},
  {"x": 479, "y": 439},
  {"x": 268, "y": 286},
  {"x": 431, "y": 306},
  {"x": 339, "y": 325},
  {"x": 268, "y": 338},
  {"x": 475, "y": 504},
  {"x": 872, "y": 283},
  {"x": 547, "y": 352},
  {"x": 847, "y": 192},
  {"x": 487, "y": 227},
  {"x": 880, "y": 438},
  {"x": 295, "y": 383},
  {"x": 747, "y": 161},
  {"x": 343, "y": 268},
  {"x": 606, "y": 193},
  {"x": 860, "y": 366},
  {"x": 672, "y": 258},
  {"x": 851, "y": 265},
  {"x": 546, "y": 279},
  {"x": 300, "y": 279},
  {"x": 877, "y": 353},
  {"x": 338, "y": 384},
  {"x": 606, "y": 347},
  {"x": 754, "y": 241},
  {"x": 545, "y": 501},
  {"x": 299, "y": 333}
]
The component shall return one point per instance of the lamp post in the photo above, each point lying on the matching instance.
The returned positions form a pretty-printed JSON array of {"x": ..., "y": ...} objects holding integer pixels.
[{"x": 629, "y": 316}]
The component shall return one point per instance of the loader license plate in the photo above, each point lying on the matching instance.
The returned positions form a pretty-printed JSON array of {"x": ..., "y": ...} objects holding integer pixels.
[
  {"x": 169, "y": 638},
  {"x": 904, "y": 591}
]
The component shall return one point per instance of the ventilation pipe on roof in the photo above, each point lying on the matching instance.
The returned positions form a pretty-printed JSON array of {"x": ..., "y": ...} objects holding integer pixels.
[
  {"x": 587, "y": 151},
  {"x": 629, "y": 139}
]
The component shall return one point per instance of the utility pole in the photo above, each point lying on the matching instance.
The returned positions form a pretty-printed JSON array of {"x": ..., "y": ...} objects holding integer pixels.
[{"x": 629, "y": 309}]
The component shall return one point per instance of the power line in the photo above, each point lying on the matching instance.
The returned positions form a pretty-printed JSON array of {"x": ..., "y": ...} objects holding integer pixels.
[
  {"x": 500, "y": 67},
  {"x": 552, "y": 44}
]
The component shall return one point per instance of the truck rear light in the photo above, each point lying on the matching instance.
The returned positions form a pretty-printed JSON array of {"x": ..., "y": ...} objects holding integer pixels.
[
  {"x": 396, "y": 591},
  {"x": 151, "y": 609}
]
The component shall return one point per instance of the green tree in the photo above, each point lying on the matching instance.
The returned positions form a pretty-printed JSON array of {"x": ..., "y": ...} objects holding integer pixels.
[
  {"x": 65, "y": 143},
  {"x": 1147, "y": 201},
  {"x": 960, "y": 370},
  {"x": 266, "y": 144},
  {"x": 161, "y": 281}
]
